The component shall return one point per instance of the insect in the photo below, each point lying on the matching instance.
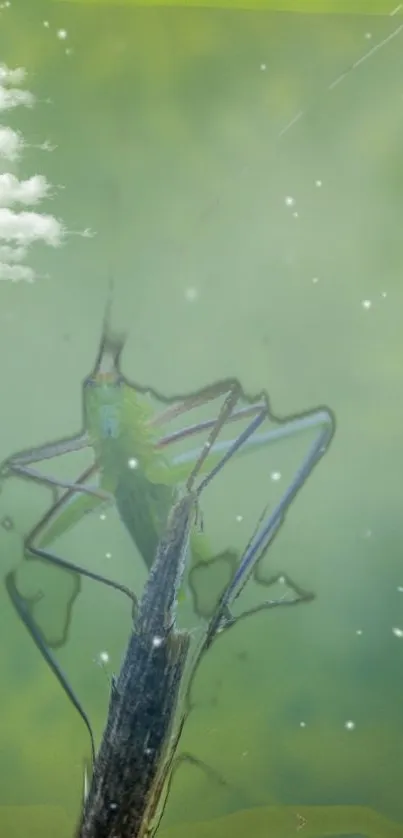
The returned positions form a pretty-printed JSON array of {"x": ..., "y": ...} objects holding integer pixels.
[
  {"x": 130, "y": 448},
  {"x": 150, "y": 699}
]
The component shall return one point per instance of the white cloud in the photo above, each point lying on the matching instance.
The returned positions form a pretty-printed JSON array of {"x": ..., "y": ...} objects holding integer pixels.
[
  {"x": 16, "y": 273},
  {"x": 12, "y": 254},
  {"x": 11, "y": 143},
  {"x": 15, "y": 76},
  {"x": 28, "y": 227},
  {"x": 13, "y": 97},
  {"x": 14, "y": 191},
  {"x": 21, "y": 229}
]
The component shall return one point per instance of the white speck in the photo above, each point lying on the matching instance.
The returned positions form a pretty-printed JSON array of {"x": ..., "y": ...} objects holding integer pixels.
[
  {"x": 103, "y": 657},
  {"x": 350, "y": 725},
  {"x": 62, "y": 34},
  {"x": 302, "y": 724},
  {"x": 315, "y": 280},
  {"x": 289, "y": 201},
  {"x": 245, "y": 753},
  {"x": 191, "y": 294},
  {"x": 318, "y": 183},
  {"x": 239, "y": 518},
  {"x": 132, "y": 463},
  {"x": 281, "y": 580},
  {"x": 275, "y": 475},
  {"x": 207, "y": 444},
  {"x": 46, "y": 24},
  {"x": 359, "y": 631},
  {"x": 296, "y": 214},
  {"x": 263, "y": 66},
  {"x": 157, "y": 641},
  {"x": 366, "y": 304},
  {"x": 400, "y": 589},
  {"x": 68, "y": 51},
  {"x": 384, "y": 294},
  {"x": 108, "y": 555},
  {"x": 368, "y": 534},
  {"x": 397, "y": 632},
  {"x": 102, "y": 516},
  {"x": 368, "y": 36}
]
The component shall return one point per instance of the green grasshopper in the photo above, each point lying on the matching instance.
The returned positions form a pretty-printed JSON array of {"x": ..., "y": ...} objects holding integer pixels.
[
  {"x": 150, "y": 698},
  {"x": 130, "y": 448}
]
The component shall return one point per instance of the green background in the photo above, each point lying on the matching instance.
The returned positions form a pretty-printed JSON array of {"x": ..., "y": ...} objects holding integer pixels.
[
  {"x": 173, "y": 145},
  {"x": 364, "y": 7}
]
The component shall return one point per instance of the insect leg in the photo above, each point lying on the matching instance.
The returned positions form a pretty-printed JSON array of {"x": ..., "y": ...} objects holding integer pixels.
[
  {"x": 180, "y": 404},
  {"x": 226, "y": 409},
  {"x": 300, "y": 596},
  {"x": 289, "y": 427},
  {"x": 321, "y": 418},
  {"x": 22, "y": 610},
  {"x": 234, "y": 393},
  {"x": 229, "y": 557},
  {"x": 46, "y": 556},
  {"x": 20, "y": 464},
  {"x": 267, "y": 531},
  {"x": 49, "y": 527},
  {"x": 199, "y": 427},
  {"x": 45, "y": 452},
  {"x": 235, "y": 445},
  {"x": 38, "y": 477}
]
